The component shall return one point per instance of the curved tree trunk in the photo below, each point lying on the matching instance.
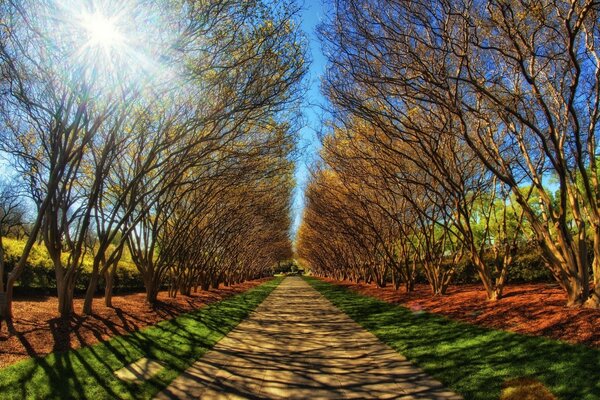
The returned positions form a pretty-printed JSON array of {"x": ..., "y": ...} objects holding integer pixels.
[
  {"x": 65, "y": 286},
  {"x": 109, "y": 277},
  {"x": 90, "y": 292}
]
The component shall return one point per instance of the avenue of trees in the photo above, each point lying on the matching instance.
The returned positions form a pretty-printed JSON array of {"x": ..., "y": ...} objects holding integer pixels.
[
  {"x": 168, "y": 134},
  {"x": 461, "y": 131}
]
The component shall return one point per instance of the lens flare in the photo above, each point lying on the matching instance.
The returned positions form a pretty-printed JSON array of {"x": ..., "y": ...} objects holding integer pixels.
[
  {"x": 110, "y": 46},
  {"x": 101, "y": 30}
]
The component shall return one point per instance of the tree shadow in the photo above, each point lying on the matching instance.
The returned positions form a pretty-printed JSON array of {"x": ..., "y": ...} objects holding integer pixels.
[
  {"x": 472, "y": 359},
  {"x": 88, "y": 372}
]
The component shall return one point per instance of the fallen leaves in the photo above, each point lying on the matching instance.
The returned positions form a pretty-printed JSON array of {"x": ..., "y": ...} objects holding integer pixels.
[{"x": 533, "y": 309}]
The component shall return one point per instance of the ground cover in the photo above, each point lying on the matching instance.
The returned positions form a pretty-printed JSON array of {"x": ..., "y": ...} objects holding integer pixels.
[
  {"x": 474, "y": 361},
  {"x": 39, "y": 330},
  {"x": 88, "y": 372},
  {"x": 530, "y": 308}
]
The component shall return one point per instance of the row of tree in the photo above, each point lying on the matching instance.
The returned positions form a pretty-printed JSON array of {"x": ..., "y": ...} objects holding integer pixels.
[
  {"x": 459, "y": 130},
  {"x": 169, "y": 134}
]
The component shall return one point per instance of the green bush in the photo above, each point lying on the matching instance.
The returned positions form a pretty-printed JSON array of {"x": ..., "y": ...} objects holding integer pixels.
[
  {"x": 529, "y": 266},
  {"x": 39, "y": 272}
]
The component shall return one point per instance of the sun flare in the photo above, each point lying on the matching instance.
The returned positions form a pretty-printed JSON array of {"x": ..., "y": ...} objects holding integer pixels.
[{"x": 102, "y": 30}]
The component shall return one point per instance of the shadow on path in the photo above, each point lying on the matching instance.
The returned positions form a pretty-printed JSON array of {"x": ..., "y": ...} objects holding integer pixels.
[{"x": 298, "y": 345}]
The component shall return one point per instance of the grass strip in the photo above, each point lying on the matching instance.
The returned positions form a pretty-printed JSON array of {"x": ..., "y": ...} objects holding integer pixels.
[
  {"x": 472, "y": 360},
  {"x": 88, "y": 372}
]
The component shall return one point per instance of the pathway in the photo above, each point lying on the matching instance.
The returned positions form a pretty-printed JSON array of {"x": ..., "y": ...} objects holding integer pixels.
[{"x": 297, "y": 345}]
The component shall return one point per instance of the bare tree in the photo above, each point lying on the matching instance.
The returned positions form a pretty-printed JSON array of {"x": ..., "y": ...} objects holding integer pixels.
[
  {"x": 105, "y": 149},
  {"x": 497, "y": 85}
]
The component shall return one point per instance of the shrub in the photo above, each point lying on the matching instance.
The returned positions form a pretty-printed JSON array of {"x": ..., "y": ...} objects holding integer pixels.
[{"x": 39, "y": 274}]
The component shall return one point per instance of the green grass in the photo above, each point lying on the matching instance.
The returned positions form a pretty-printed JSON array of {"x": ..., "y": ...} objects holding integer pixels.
[
  {"x": 472, "y": 360},
  {"x": 88, "y": 372}
]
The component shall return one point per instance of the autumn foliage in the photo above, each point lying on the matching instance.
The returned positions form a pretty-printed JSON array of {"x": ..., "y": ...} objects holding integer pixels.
[{"x": 460, "y": 131}]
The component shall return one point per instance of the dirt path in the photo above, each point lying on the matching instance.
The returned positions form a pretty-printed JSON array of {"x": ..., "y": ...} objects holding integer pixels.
[{"x": 297, "y": 345}]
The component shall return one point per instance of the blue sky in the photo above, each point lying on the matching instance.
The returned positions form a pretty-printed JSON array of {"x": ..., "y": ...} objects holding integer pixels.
[{"x": 312, "y": 14}]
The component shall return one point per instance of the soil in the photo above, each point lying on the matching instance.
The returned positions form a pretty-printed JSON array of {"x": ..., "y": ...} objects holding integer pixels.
[
  {"x": 532, "y": 309},
  {"x": 39, "y": 330}
]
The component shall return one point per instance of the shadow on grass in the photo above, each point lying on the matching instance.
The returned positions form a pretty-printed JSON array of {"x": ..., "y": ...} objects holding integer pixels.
[
  {"x": 472, "y": 360},
  {"x": 89, "y": 372},
  {"x": 301, "y": 347}
]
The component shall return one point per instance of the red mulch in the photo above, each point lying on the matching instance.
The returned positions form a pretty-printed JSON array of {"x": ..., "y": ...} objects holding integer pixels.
[
  {"x": 532, "y": 309},
  {"x": 40, "y": 330}
]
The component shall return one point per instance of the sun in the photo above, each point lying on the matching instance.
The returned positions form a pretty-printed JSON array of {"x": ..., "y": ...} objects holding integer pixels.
[
  {"x": 115, "y": 44},
  {"x": 102, "y": 31}
]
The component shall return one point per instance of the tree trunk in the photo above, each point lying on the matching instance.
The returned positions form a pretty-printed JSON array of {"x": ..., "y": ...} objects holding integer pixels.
[
  {"x": 109, "y": 277},
  {"x": 65, "y": 287},
  {"x": 2, "y": 266},
  {"x": 498, "y": 291},
  {"x": 90, "y": 292},
  {"x": 4, "y": 310},
  {"x": 151, "y": 293},
  {"x": 411, "y": 269},
  {"x": 151, "y": 297},
  {"x": 575, "y": 292},
  {"x": 187, "y": 291},
  {"x": 594, "y": 300},
  {"x": 10, "y": 284},
  {"x": 596, "y": 262},
  {"x": 396, "y": 281},
  {"x": 491, "y": 290},
  {"x": 495, "y": 295},
  {"x": 443, "y": 289},
  {"x": 151, "y": 287}
]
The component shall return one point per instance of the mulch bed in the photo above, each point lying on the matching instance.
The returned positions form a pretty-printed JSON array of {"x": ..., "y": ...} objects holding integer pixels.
[
  {"x": 532, "y": 309},
  {"x": 40, "y": 330}
]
